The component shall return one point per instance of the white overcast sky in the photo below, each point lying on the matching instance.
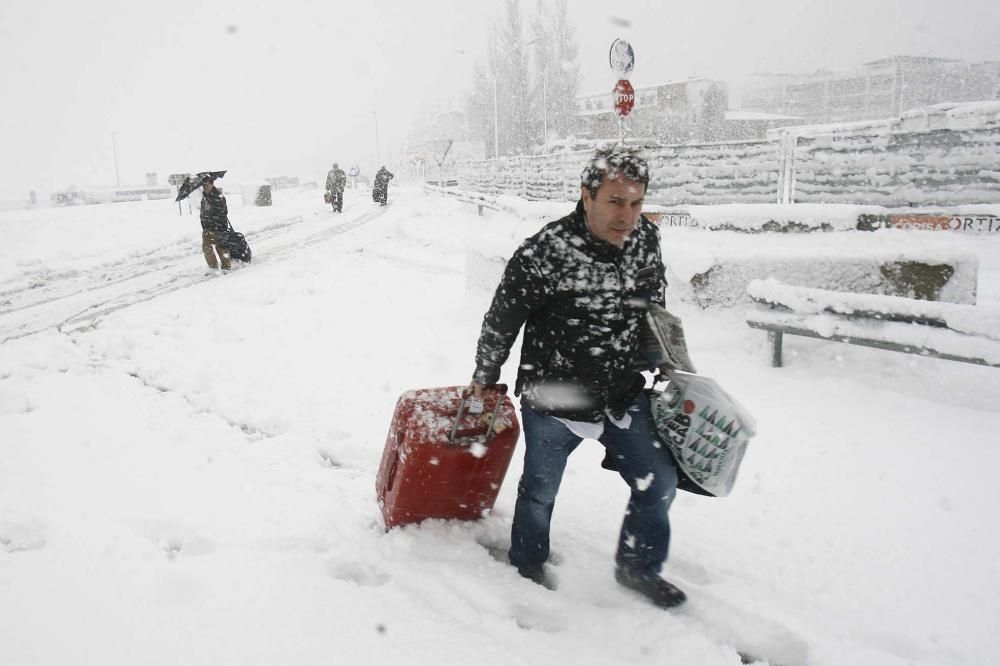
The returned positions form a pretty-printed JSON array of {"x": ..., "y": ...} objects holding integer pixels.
[{"x": 287, "y": 87}]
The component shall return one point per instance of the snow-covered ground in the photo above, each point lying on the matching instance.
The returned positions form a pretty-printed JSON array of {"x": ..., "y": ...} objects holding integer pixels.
[{"x": 187, "y": 466}]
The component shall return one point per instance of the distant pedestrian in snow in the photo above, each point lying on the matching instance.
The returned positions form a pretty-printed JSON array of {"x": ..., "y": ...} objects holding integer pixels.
[
  {"x": 581, "y": 288},
  {"x": 353, "y": 175},
  {"x": 335, "y": 181},
  {"x": 380, "y": 190},
  {"x": 214, "y": 224}
]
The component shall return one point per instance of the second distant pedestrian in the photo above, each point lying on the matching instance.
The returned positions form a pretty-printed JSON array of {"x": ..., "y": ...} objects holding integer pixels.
[
  {"x": 335, "y": 181},
  {"x": 380, "y": 190}
]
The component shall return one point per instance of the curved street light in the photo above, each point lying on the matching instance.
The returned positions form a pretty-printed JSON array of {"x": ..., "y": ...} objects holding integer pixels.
[
  {"x": 496, "y": 75},
  {"x": 377, "y": 159}
]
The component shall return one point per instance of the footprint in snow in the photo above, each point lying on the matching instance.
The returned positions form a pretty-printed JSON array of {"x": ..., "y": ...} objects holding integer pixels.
[
  {"x": 362, "y": 574},
  {"x": 528, "y": 616},
  {"x": 174, "y": 539},
  {"x": 21, "y": 536},
  {"x": 190, "y": 545}
]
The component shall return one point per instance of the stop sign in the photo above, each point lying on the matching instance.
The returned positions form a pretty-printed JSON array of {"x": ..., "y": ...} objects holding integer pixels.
[{"x": 624, "y": 97}]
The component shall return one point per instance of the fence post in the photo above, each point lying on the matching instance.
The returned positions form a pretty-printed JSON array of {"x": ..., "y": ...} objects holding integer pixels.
[
  {"x": 567, "y": 180},
  {"x": 786, "y": 177}
]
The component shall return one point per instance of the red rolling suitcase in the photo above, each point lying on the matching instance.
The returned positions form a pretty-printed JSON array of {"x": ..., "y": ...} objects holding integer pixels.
[{"x": 443, "y": 460}]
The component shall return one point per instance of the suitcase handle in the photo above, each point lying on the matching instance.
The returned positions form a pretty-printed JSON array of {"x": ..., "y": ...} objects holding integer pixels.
[
  {"x": 501, "y": 391},
  {"x": 391, "y": 476}
]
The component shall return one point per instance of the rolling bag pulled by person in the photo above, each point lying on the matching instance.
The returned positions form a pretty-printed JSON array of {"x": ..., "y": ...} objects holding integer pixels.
[
  {"x": 446, "y": 455},
  {"x": 237, "y": 246}
]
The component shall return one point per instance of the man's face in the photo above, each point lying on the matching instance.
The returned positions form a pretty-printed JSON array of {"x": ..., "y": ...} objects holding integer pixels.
[
  {"x": 613, "y": 214},
  {"x": 207, "y": 185}
]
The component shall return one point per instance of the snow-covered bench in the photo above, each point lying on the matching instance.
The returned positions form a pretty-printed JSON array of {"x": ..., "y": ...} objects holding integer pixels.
[{"x": 956, "y": 332}]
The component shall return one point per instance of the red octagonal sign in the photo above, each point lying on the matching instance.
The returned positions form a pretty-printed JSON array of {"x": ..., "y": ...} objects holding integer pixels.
[{"x": 624, "y": 97}]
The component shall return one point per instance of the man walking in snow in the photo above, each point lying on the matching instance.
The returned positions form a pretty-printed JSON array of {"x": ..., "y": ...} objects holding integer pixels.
[
  {"x": 380, "y": 190},
  {"x": 214, "y": 223},
  {"x": 581, "y": 287},
  {"x": 335, "y": 181}
]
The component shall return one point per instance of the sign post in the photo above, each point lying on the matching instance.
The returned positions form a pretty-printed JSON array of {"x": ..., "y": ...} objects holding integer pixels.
[
  {"x": 622, "y": 60},
  {"x": 176, "y": 179}
]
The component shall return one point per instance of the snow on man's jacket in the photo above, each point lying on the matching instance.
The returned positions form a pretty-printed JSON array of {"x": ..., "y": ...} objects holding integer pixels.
[
  {"x": 214, "y": 212},
  {"x": 335, "y": 180},
  {"x": 583, "y": 303}
]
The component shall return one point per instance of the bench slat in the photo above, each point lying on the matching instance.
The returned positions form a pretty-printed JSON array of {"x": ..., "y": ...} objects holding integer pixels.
[
  {"x": 778, "y": 329},
  {"x": 977, "y": 320},
  {"x": 861, "y": 313}
]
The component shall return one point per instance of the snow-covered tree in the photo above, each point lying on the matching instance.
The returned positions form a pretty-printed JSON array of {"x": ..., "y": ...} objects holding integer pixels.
[
  {"x": 528, "y": 100},
  {"x": 557, "y": 73}
]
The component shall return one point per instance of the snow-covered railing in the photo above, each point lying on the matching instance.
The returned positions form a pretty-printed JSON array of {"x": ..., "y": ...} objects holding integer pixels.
[
  {"x": 481, "y": 201},
  {"x": 945, "y": 157},
  {"x": 919, "y": 168},
  {"x": 966, "y": 333},
  {"x": 745, "y": 171}
]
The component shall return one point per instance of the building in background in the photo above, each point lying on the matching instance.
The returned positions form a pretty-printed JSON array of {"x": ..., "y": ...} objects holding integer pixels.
[
  {"x": 684, "y": 111},
  {"x": 283, "y": 182},
  {"x": 95, "y": 195},
  {"x": 754, "y": 125},
  {"x": 878, "y": 89}
]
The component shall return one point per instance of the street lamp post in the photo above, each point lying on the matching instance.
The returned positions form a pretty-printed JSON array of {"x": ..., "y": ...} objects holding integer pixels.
[
  {"x": 496, "y": 75},
  {"x": 545, "y": 111},
  {"x": 114, "y": 148},
  {"x": 377, "y": 165}
]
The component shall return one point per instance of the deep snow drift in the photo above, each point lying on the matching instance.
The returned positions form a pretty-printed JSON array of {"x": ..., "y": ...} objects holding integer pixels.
[{"x": 187, "y": 465}]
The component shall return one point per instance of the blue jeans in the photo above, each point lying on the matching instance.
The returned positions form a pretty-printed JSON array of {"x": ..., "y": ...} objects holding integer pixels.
[{"x": 645, "y": 465}]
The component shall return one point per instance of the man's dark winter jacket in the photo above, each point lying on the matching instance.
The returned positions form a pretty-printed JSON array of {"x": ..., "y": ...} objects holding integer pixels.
[
  {"x": 335, "y": 180},
  {"x": 380, "y": 190},
  {"x": 214, "y": 212},
  {"x": 583, "y": 302}
]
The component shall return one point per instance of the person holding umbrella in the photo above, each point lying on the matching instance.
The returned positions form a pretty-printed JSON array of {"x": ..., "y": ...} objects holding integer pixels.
[
  {"x": 214, "y": 222},
  {"x": 214, "y": 217}
]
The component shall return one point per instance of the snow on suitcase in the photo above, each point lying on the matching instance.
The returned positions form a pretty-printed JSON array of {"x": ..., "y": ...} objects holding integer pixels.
[
  {"x": 443, "y": 460},
  {"x": 237, "y": 246}
]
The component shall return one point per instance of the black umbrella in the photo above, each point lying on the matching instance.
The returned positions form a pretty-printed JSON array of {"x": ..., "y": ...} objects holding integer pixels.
[
  {"x": 186, "y": 188},
  {"x": 214, "y": 175},
  {"x": 191, "y": 183}
]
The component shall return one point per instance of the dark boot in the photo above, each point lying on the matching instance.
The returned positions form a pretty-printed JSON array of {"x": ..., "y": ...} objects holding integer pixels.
[
  {"x": 538, "y": 576},
  {"x": 651, "y": 586}
]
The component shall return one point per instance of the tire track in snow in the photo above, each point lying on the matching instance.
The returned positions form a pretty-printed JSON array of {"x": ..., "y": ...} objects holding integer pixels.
[{"x": 81, "y": 306}]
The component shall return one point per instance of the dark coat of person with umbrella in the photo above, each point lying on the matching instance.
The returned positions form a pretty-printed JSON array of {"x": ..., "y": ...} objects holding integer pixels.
[
  {"x": 380, "y": 190},
  {"x": 214, "y": 223}
]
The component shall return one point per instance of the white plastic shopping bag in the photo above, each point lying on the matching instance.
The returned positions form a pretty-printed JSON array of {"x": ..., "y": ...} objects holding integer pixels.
[{"x": 705, "y": 428}]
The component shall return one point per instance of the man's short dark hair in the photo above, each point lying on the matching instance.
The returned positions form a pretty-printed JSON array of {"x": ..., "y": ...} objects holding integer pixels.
[{"x": 614, "y": 160}]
